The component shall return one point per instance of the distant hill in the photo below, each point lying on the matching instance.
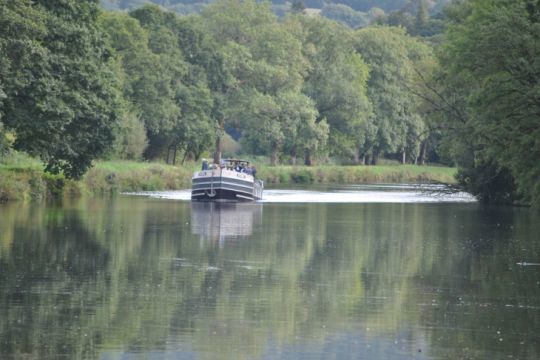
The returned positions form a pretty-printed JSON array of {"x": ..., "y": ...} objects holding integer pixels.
[
  {"x": 187, "y": 6},
  {"x": 353, "y": 13}
]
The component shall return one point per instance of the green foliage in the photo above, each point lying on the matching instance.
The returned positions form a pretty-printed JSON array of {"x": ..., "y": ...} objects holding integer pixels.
[
  {"x": 60, "y": 96},
  {"x": 395, "y": 107},
  {"x": 262, "y": 98},
  {"x": 130, "y": 138},
  {"x": 345, "y": 15},
  {"x": 489, "y": 182},
  {"x": 302, "y": 176},
  {"x": 54, "y": 184},
  {"x": 492, "y": 55},
  {"x": 6, "y": 142},
  {"x": 26, "y": 182},
  {"x": 336, "y": 81},
  {"x": 73, "y": 78},
  {"x": 167, "y": 90},
  {"x": 415, "y": 17},
  {"x": 357, "y": 174},
  {"x": 120, "y": 176}
]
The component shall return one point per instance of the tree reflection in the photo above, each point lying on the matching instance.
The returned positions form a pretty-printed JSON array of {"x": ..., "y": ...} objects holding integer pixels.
[{"x": 138, "y": 275}]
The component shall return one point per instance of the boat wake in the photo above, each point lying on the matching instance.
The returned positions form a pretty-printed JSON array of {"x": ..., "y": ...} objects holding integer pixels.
[{"x": 345, "y": 194}]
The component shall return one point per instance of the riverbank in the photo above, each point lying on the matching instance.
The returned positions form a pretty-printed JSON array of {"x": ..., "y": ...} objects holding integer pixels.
[{"x": 29, "y": 182}]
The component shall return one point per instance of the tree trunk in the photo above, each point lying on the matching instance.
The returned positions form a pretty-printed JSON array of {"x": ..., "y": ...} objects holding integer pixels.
[
  {"x": 423, "y": 150},
  {"x": 375, "y": 159},
  {"x": 219, "y": 143},
  {"x": 174, "y": 155},
  {"x": 293, "y": 155},
  {"x": 356, "y": 155},
  {"x": 403, "y": 157},
  {"x": 274, "y": 156},
  {"x": 369, "y": 159},
  {"x": 184, "y": 157},
  {"x": 307, "y": 158},
  {"x": 169, "y": 153},
  {"x": 364, "y": 159}
]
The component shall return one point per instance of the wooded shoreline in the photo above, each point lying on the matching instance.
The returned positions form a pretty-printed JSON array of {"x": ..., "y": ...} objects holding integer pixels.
[
  {"x": 456, "y": 84},
  {"x": 31, "y": 183}
]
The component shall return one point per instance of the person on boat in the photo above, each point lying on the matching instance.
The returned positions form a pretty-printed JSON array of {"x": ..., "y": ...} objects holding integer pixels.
[
  {"x": 204, "y": 164},
  {"x": 253, "y": 171}
]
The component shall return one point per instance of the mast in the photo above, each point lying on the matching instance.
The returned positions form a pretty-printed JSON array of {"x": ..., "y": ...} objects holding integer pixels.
[{"x": 219, "y": 141}]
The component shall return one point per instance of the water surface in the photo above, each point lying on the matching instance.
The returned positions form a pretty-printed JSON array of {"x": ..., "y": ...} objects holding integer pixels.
[
  {"x": 365, "y": 193},
  {"x": 155, "y": 278}
]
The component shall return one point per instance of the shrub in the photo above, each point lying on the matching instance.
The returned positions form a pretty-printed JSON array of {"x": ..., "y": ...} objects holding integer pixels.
[
  {"x": 303, "y": 176},
  {"x": 54, "y": 184}
]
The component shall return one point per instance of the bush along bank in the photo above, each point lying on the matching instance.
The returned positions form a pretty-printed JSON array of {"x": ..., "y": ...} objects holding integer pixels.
[
  {"x": 123, "y": 176},
  {"x": 104, "y": 178},
  {"x": 34, "y": 184}
]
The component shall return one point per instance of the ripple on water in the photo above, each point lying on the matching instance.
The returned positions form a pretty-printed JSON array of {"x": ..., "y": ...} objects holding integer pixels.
[{"x": 377, "y": 193}]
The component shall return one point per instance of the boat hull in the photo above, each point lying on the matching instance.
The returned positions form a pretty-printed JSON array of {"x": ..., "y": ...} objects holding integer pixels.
[{"x": 225, "y": 185}]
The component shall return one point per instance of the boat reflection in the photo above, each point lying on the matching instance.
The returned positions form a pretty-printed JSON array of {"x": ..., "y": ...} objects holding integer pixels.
[{"x": 224, "y": 220}]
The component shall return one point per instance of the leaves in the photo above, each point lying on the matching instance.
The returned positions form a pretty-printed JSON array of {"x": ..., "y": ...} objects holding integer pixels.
[
  {"x": 494, "y": 50},
  {"x": 60, "y": 92},
  {"x": 394, "y": 59}
]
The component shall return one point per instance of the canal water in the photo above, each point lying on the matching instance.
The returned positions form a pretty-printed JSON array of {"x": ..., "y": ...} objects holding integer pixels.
[{"x": 342, "y": 273}]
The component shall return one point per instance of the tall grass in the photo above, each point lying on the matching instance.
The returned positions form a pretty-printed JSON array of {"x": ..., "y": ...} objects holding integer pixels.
[
  {"x": 357, "y": 174},
  {"x": 126, "y": 176},
  {"x": 25, "y": 179},
  {"x": 18, "y": 183}
]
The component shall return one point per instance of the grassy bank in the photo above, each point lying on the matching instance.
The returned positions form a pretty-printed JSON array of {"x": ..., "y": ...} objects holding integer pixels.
[
  {"x": 29, "y": 182},
  {"x": 356, "y": 174},
  {"x": 33, "y": 184},
  {"x": 125, "y": 176}
]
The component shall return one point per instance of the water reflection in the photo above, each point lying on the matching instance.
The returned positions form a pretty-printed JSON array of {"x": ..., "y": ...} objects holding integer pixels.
[
  {"x": 221, "y": 220},
  {"x": 131, "y": 278}
]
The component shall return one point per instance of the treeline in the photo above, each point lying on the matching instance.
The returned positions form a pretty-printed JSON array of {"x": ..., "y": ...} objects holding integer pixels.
[
  {"x": 159, "y": 83},
  {"x": 353, "y": 13},
  {"x": 279, "y": 6},
  {"x": 78, "y": 83}
]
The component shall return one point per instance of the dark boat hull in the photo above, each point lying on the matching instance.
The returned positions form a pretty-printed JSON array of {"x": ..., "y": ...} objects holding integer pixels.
[
  {"x": 225, "y": 185},
  {"x": 220, "y": 195}
]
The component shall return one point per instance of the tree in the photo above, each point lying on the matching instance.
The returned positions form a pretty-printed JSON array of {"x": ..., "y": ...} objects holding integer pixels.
[
  {"x": 345, "y": 15},
  {"x": 60, "y": 95},
  {"x": 130, "y": 137},
  {"x": 422, "y": 15},
  {"x": 336, "y": 81},
  {"x": 394, "y": 59},
  {"x": 206, "y": 60},
  {"x": 21, "y": 24},
  {"x": 158, "y": 77},
  {"x": 168, "y": 65},
  {"x": 493, "y": 51},
  {"x": 264, "y": 64},
  {"x": 284, "y": 123},
  {"x": 129, "y": 41},
  {"x": 298, "y": 6}
]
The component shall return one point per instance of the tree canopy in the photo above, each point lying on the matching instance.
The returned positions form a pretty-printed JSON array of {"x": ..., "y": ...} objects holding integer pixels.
[
  {"x": 58, "y": 85},
  {"x": 78, "y": 83},
  {"x": 492, "y": 53}
]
